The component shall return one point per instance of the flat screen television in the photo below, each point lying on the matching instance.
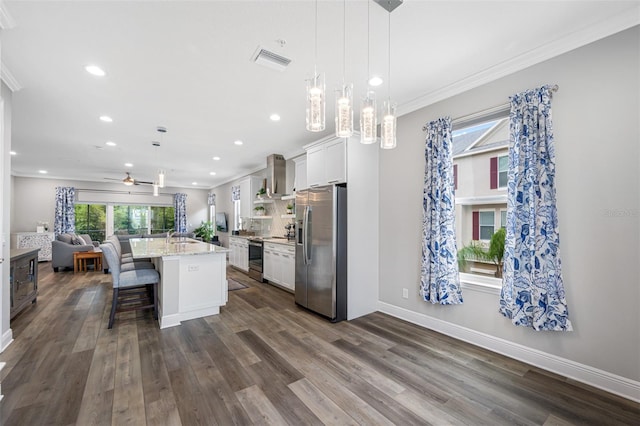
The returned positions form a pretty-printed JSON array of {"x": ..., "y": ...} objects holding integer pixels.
[{"x": 221, "y": 222}]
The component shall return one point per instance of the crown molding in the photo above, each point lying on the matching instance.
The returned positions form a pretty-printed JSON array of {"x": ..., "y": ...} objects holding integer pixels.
[
  {"x": 6, "y": 20},
  {"x": 7, "y": 77},
  {"x": 572, "y": 41}
]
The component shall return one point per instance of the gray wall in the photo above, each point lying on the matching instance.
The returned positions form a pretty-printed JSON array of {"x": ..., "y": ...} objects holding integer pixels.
[
  {"x": 33, "y": 200},
  {"x": 596, "y": 122}
]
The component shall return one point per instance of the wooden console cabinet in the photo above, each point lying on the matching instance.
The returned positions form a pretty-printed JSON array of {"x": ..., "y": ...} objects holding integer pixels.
[{"x": 23, "y": 279}]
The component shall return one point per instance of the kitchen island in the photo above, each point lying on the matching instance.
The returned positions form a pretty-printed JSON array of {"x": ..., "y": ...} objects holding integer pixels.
[{"x": 193, "y": 277}]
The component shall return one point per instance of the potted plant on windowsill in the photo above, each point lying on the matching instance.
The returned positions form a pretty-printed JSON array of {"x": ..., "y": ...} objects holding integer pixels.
[
  {"x": 259, "y": 210},
  {"x": 494, "y": 253}
]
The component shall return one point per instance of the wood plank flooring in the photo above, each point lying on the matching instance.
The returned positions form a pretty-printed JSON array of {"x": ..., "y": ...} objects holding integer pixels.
[{"x": 264, "y": 360}]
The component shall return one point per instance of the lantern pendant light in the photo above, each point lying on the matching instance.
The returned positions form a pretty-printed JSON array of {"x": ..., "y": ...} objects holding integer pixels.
[
  {"x": 388, "y": 125},
  {"x": 368, "y": 110},
  {"x": 344, "y": 95},
  {"x": 316, "y": 102}
]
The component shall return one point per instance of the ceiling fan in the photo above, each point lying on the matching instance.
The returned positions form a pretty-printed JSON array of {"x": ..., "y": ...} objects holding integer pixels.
[{"x": 131, "y": 181}]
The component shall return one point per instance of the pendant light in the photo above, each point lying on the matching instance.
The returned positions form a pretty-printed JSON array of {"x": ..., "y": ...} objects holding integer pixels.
[
  {"x": 316, "y": 90},
  {"x": 368, "y": 111},
  {"x": 388, "y": 125},
  {"x": 344, "y": 95},
  {"x": 161, "y": 172},
  {"x": 155, "y": 189}
]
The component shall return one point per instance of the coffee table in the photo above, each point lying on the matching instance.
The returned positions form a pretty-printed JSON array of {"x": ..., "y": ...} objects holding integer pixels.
[{"x": 80, "y": 260}]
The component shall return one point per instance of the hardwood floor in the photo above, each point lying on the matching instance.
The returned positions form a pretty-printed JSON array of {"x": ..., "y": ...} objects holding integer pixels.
[{"x": 263, "y": 360}]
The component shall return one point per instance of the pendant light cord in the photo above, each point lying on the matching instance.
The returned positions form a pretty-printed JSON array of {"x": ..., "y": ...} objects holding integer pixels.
[
  {"x": 315, "y": 51},
  {"x": 344, "y": 41},
  {"x": 389, "y": 63},
  {"x": 368, "y": 42}
]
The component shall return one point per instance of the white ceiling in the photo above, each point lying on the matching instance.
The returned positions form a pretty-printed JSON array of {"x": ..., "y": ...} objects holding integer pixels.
[{"x": 186, "y": 66}]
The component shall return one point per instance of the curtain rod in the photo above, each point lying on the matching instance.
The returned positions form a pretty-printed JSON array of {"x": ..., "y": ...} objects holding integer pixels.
[
  {"x": 111, "y": 191},
  {"x": 485, "y": 112}
]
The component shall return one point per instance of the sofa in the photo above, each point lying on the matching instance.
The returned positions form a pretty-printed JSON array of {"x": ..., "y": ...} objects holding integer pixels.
[{"x": 63, "y": 247}]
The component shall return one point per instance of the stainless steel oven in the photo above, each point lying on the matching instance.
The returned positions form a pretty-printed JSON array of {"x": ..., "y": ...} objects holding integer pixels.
[{"x": 255, "y": 259}]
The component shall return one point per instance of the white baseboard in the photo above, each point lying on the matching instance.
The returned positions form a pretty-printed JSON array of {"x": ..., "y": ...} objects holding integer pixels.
[
  {"x": 604, "y": 380},
  {"x": 7, "y": 339}
]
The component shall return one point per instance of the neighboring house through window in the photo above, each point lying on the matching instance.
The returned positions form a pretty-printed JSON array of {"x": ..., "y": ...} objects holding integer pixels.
[{"x": 480, "y": 155}]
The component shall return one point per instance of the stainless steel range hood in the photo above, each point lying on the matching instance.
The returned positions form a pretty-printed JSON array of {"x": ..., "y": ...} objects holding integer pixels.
[{"x": 276, "y": 174}]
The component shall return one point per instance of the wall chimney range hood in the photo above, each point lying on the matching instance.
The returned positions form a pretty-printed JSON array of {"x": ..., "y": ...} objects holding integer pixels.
[{"x": 276, "y": 174}]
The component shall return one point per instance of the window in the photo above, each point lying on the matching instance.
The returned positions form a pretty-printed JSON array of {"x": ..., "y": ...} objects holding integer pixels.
[
  {"x": 162, "y": 219},
  {"x": 142, "y": 219},
  {"x": 236, "y": 215},
  {"x": 480, "y": 152},
  {"x": 487, "y": 225},
  {"x": 91, "y": 219},
  {"x": 130, "y": 219},
  {"x": 503, "y": 166}
]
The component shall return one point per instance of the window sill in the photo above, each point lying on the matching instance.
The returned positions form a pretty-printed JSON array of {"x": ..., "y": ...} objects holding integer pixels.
[{"x": 479, "y": 283}]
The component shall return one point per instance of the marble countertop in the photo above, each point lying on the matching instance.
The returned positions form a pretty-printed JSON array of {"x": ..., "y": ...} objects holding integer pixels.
[{"x": 178, "y": 246}]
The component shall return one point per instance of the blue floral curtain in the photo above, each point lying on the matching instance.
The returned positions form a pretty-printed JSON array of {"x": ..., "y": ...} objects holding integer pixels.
[
  {"x": 235, "y": 193},
  {"x": 532, "y": 289},
  {"x": 211, "y": 199},
  {"x": 180, "y": 204},
  {"x": 440, "y": 282},
  {"x": 65, "y": 216}
]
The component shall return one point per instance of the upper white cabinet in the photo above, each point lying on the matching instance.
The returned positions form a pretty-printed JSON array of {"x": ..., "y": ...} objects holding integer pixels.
[
  {"x": 249, "y": 186},
  {"x": 327, "y": 162},
  {"x": 300, "y": 173}
]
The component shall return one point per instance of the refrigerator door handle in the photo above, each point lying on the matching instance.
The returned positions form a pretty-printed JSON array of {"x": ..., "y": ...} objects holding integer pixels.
[{"x": 307, "y": 239}]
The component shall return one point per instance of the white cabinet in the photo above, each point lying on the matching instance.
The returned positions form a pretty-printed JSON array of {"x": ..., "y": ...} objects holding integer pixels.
[
  {"x": 249, "y": 186},
  {"x": 327, "y": 162},
  {"x": 239, "y": 254},
  {"x": 301, "y": 173},
  {"x": 335, "y": 160},
  {"x": 279, "y": 265}
]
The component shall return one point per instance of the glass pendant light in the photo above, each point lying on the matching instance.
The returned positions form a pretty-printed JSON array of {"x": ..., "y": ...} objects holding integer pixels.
[
  {"x": 344, "y": 95},
  {"x": 155, "y": 189},
  {"x": 161, "y": 178},
  {"x": 161, "y": 172},
  {"x": 368, "y": 111},
  {"x": 388, "y": 125},
  {"x": 316, "y": 91}
]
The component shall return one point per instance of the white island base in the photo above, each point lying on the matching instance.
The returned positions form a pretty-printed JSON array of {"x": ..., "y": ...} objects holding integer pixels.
[{"x": 193, "y": 278}]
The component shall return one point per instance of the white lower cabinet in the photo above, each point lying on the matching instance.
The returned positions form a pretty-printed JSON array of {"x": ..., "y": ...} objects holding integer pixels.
[
  {"x": 239, "y": 255},
  {"x": 280, "y": 265}
]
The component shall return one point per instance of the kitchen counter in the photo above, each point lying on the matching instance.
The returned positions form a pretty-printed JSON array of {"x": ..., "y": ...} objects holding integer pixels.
[
  {"x": 179, "y": 246},
  {"x": 193, "y": 277}
]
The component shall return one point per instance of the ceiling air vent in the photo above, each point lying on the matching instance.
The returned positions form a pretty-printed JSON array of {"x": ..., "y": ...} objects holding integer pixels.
[{"x": 269, "y": 59}]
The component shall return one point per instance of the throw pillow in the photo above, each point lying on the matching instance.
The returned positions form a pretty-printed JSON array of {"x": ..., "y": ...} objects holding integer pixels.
[
  {"x": 77, "y": 240},
  {"x": 65, "y": 238}
]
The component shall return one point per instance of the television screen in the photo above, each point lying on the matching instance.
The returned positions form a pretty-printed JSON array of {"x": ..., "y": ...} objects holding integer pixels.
[{"x": 221, "y": 222}]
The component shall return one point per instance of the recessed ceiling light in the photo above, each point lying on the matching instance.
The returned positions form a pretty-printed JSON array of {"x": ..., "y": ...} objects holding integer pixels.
[
  {"x": 238, "y": 142},
  {"x": 128, "y": 165},
  {"x": 375, "y": 81},
  {"x": 110, "y": 143},
  {"x": 212, "y": 173},
  {"x": 194, "y": 183},
  {"x": 106, "y": 119},
  {"x": 216, "y": 158},
  {"x": 44, "y": 172},
  {"x": 95, "y": 70},
  {"x": 274, "y": 117},
  {"x": 13, "y": 153}
]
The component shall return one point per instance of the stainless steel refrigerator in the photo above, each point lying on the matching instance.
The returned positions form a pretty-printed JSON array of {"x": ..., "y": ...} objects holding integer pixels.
[{"x": 321, "y": 251}]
